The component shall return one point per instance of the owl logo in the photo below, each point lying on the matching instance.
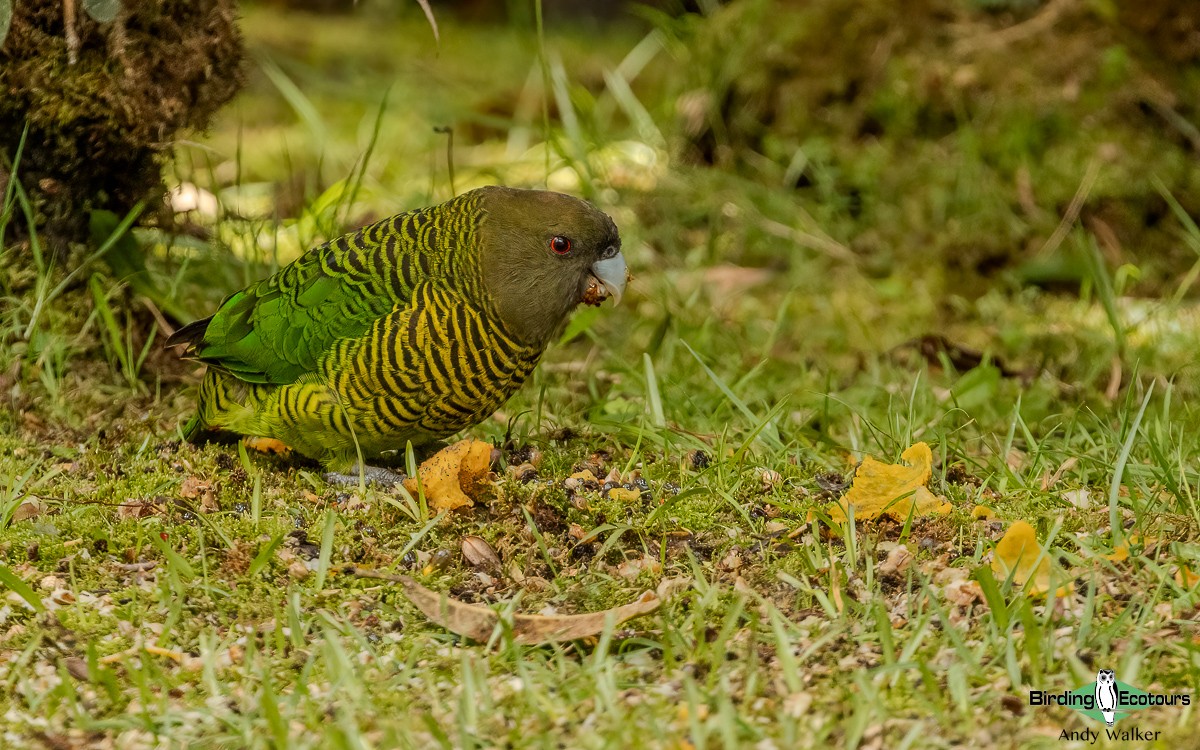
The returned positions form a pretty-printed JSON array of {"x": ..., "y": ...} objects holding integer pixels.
[{"x": 1106, "y": 695}]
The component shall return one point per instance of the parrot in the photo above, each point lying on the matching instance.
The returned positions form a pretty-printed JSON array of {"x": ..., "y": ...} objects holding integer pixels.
[{"x": 410, "y": 329}]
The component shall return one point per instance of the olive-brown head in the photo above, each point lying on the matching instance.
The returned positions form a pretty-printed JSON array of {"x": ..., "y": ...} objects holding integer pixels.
[{"x": 543, "y": 253}]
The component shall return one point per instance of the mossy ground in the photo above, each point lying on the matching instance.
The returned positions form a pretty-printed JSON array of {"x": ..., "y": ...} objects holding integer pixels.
[{"x": 196, "y": 597}]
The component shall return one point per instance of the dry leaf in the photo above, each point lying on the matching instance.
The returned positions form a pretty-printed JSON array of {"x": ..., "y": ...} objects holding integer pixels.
[
  {"x": 669, "y": 587},
  {"x": 478, "y": 623},
  {"x": 31, "y": 508},
  {"x": 1186, "y": 578},
  {"x": 479, "y": 554},
  {"x": 877, "y": 487},
  {"x": 984, "y": 512},
  {"x": 1080, "y": 498},
  {"x": 732, "y": 561},
  {"x": 454, "y": 476},
  {"x": 631, "y": 569},
  {"x": 898, "y": 561},
  {"x": 1019, "y": 554},
  {"x": 195, "y": 488},
  {"x": 835, "y": 589},
  {"x": 78, "y": 668},
  {"x": 964, "y": 592},
  {"x": 1052, "y": 479},
  {"x": 132, "y": 508}
]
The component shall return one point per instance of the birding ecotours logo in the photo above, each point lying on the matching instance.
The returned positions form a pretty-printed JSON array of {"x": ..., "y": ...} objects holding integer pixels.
[
  {"x": 1108, "y": 700},
  {"x": 1106, "y": 695}
]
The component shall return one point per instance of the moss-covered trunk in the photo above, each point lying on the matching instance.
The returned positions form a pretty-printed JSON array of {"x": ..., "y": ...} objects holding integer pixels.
[{"x": 101, "y": 103}]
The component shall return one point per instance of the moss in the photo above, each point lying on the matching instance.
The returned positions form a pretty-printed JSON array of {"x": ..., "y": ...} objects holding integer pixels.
[{"x": 100, "y": 126}]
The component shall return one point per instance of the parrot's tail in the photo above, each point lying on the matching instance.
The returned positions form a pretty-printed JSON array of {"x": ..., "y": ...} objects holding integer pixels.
[{"x": 191, "y": 334}]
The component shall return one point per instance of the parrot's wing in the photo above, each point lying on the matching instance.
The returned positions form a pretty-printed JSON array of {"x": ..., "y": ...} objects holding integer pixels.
[{"x": 277, "y": 329}]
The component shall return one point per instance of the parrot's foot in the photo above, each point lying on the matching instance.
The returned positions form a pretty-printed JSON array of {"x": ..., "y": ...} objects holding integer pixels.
[
  {"x": 373, "y": 475},
  {"x": 266, "y": 445}
]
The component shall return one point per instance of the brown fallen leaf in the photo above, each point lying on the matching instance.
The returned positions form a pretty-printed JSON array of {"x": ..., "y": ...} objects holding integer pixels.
[
  {"x": 631, "y": 569},
  {"x": 454, "y": 476},
  {"x": 31, "y": 508},
  {"x": 479, "y": 554},
  {"x": 134, "y": 508},
  {"x": 897, "y": 562},
  {"x": 78, "y": 668},
  {"x": 195, "y": 488},
  {"x": 964, "y": 592},
  {"x": 478, "y": 623}
]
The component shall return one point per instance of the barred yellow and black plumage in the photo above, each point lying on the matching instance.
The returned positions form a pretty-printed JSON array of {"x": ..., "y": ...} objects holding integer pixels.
[{"x": 410, "y": 329}]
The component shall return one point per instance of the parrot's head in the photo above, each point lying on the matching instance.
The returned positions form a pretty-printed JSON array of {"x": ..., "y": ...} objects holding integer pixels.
[{"x": 543, "y": 253}]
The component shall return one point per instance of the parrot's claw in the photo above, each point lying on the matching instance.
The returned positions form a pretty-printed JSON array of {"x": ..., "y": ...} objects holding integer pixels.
[{"x": 376, "y": 476}]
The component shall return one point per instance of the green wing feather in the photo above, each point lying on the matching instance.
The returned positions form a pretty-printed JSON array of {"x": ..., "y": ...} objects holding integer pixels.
[{"x": 277, "y": 329}]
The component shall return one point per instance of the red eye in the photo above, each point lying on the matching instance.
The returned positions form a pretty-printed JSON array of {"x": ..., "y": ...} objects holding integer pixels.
[{"x": 560, "y": 245}]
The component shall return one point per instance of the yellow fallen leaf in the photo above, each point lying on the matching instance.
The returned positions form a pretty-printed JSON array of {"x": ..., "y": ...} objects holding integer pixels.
[
  {"x": 683, "y": 713},
  {"x": 892, "y": 489},
  {"x": 835, "y": 589},
  {"x": 1018, "y": 554},
  {"x": 176, "y": 656},
  {"x": 1121, "y": 552},
  {"x": 454, "y": 476},
  {"x": 1186, "y": 578},
  {"x": 984, "y": 512},
  {"x": 623, "y": 495}
]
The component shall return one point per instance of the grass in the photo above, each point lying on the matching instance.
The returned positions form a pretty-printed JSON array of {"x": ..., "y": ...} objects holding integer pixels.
[{"x": 166, "y": 595}]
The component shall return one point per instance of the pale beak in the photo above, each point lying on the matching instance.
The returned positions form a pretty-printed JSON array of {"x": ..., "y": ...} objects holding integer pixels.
[{"x": 612, "y": 273}]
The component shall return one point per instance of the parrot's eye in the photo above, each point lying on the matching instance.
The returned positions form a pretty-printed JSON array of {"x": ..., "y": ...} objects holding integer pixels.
[{"x": 560, "y": 245}]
